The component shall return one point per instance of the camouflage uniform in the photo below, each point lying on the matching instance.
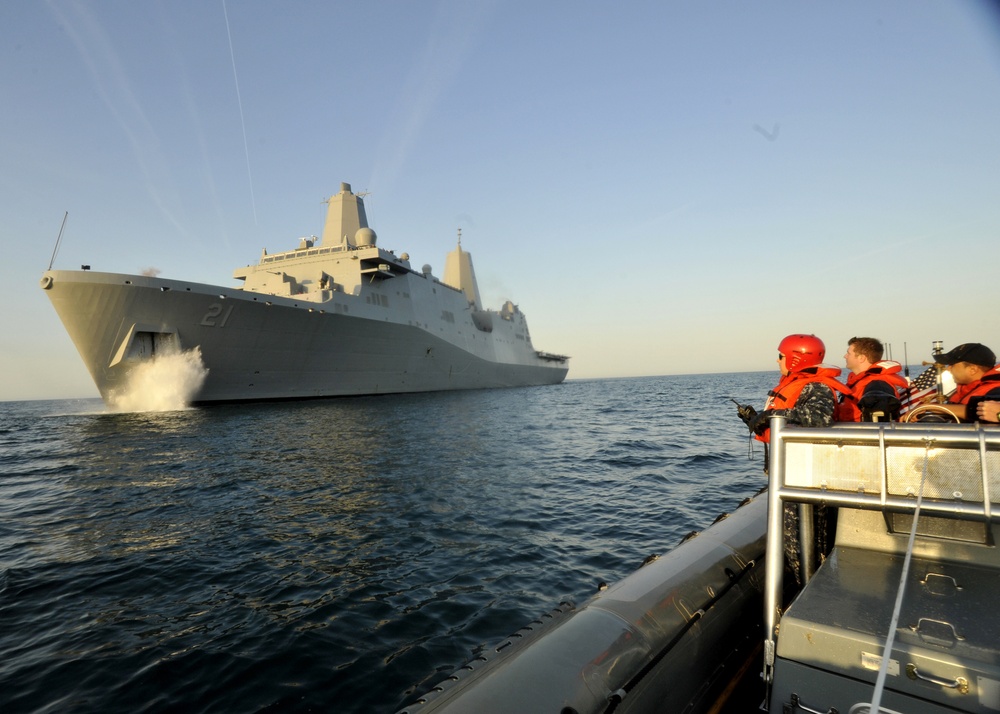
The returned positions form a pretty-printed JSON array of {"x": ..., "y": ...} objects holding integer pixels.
[{"x": 814, "y": 407}]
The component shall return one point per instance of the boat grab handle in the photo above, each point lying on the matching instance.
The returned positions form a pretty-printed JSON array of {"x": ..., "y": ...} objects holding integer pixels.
[
  {"x": 959, "y": 683},
  {"x": 797, "y": 704}
]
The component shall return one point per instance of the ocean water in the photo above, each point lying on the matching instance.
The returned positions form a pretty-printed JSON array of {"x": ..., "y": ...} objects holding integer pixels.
[{"x": 339, "y": 555}]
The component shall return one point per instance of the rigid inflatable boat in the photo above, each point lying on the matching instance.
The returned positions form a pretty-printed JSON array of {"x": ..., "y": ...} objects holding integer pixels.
[
  {"x": 898, "y": 615},
  {"x": 672, "y": 636}
]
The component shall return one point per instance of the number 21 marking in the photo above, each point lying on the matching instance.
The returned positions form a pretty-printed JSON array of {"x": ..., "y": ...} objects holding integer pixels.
[{"x": 211, "y": 317}]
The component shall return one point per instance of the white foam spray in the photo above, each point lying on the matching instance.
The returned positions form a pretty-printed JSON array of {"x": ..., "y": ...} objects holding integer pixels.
[{"x": 167, "y": 382}]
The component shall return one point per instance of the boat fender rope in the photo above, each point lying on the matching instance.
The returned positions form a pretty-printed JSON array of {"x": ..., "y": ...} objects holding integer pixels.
[{"x": 887, "y": 653}]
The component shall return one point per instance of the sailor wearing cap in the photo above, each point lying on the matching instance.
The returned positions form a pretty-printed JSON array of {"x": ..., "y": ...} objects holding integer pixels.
[{"x": 977, "y": 375}]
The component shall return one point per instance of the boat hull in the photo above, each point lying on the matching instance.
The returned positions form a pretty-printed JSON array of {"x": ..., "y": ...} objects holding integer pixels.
[
  {"x": 262, "y": 347},
  {"x": 674, "y": 636}
]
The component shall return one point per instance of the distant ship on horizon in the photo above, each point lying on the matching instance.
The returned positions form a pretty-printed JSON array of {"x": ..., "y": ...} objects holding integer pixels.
[{"x": 341, "y": 317}]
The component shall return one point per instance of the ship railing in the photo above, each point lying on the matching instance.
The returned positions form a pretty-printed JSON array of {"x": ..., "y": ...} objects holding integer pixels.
[{"x": 951, "y": 470}]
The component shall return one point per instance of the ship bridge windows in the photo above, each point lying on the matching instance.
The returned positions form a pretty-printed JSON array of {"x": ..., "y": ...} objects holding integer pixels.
[{"x": 299, "y": 253}]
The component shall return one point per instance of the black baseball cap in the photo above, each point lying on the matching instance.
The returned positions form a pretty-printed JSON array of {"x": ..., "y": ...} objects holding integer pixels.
[{"x": 971, "y": 352}]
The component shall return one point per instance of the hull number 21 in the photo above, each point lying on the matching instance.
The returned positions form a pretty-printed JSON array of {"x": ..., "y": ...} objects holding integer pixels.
[{"x": 212, "y": 317}]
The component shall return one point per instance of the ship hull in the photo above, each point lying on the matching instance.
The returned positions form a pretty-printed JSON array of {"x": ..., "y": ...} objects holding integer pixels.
[{"x": 265, "y": 347}]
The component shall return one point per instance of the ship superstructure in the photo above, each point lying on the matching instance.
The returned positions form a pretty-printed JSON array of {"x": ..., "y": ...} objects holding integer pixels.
[{"x": 336, "y": 316}]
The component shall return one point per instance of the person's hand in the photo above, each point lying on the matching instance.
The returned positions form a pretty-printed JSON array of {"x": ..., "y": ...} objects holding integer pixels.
[
  {"x": 761, "y": 422},
  {"x": 988, "y": 411},
  {"x": 746, "y": 413}
]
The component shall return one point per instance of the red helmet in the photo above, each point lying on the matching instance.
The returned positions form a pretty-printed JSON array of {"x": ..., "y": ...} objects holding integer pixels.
[{"x": 802, "y": 351}]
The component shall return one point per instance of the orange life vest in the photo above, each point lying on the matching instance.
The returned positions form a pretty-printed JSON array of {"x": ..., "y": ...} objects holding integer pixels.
[
  {"x": 791, "y": 385},
  {"x": 985, "y": 384},
  {"x": 884, "y": 371}
]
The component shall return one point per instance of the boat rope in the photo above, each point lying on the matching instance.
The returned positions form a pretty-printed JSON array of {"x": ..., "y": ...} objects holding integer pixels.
[
  {"x": 887, "y": 654},
  {"x": 619, "y": 695},
  {"x": 58, "y": 240}
]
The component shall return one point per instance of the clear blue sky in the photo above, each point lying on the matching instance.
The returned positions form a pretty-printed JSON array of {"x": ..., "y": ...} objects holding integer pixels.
[{"x": 663, "y": 187}]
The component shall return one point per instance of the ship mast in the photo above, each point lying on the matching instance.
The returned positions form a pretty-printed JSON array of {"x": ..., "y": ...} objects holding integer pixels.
[{"x": 459, "y": 273}]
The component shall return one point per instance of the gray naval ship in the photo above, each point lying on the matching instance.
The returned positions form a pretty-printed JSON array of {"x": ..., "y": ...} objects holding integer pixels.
[{"x": 341, "y": 317}]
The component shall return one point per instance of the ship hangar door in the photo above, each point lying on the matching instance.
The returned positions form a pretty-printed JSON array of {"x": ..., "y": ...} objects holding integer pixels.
[
  {"x": 149, "y": 344},
  {"x": 142, "y": 342}
]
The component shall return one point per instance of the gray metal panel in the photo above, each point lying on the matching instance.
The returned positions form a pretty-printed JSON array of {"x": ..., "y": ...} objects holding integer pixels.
[
  {"x": 818, "y": 691},
  {"x": 868, "y": 530},
  {"x": 949, "y": 627}
]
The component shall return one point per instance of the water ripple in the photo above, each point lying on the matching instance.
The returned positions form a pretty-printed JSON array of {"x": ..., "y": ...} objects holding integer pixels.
[{"x": 334, "y": 555}]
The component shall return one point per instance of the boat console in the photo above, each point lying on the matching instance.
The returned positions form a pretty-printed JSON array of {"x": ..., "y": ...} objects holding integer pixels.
[{"x": 902, "y": 614}]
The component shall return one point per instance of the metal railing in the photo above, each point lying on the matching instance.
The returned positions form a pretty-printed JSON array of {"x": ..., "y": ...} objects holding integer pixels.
[{"x": 882, "y": 467}]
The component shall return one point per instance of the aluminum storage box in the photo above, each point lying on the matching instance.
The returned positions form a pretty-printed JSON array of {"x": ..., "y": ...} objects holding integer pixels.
[{"x": 946, "y": 653}]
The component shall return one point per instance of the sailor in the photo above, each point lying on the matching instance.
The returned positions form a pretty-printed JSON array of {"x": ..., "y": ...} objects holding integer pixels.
[
  {"x": 807, "y": 391},
  {"x": 806, "y": 395},
  {"x": 876, "y": 385},
  {"x": 974, "y": 369}
]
